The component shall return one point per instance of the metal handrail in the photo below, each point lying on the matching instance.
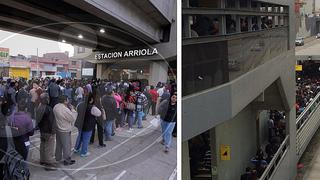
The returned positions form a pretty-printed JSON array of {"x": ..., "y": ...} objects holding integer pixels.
[
  {"x": 304, "y": 113},
  {"x": 276, "y": 160}
]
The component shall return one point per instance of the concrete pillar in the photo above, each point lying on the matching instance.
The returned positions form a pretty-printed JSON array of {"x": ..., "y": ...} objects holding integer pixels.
[
  {"x": 238, "y": 24},
  {"x": 223, "y": 25},
  {"x": 249, "y": 23},
  {"x": 99, "y": 71},
  {"x": 185, "y": 161},
  {"x": 158, "y": 72}
]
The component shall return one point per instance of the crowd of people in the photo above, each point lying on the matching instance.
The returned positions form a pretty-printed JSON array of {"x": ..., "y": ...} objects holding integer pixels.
[
  {"x": 55, "y": 107},
  {"x": 276, "y": 135},
  {"x": 307, "y": 89}
]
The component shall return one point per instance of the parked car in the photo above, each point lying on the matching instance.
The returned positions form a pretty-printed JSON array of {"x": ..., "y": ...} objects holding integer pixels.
[
  {"x": 318, "y": 36},
  {"x": 299, "y": 41}
]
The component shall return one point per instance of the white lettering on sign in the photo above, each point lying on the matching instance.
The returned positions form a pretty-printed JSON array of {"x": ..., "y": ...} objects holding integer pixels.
[{"x": 127, "y": 53}]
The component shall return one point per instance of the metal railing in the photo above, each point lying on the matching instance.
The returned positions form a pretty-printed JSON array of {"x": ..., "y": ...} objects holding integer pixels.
[
  {"x": 276, "y": 160},
  {"x": 307, "y": 124}
]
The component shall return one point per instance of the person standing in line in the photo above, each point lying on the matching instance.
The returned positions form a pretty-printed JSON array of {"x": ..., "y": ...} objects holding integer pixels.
[
  {"x": 141, "y": 101},
  {"x": 118, "y": 99},
  {"x": 46, "y": 124},
  {"x": 79, "y": 93},
  {"x": 65, "y": 115},
  {"x": 54, "y": 93},
  {"x": 154, "y": 97},
  {"x": 87, "y": 114},
  {"x": 148, "y": 104},
  {"x": 168, "y": 115},
  {"x": 99, "y": 121},
  {"x": 22, "y": 122},
  {"x": 129, "y": 113},
  {"x": 110, "y": 107}
]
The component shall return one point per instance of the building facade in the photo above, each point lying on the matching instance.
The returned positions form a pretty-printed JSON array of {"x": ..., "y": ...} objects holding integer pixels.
[{"x": 237, "y": 65}]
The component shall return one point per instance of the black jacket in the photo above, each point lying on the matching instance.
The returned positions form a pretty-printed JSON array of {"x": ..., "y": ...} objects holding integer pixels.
[
  {"x": 110, "y": 106},
  {"x": 89, "y": 120},
  {"x": 45, "y": 119}
]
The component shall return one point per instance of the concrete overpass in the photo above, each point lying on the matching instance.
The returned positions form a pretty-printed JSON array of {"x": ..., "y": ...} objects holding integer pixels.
[{"x": 147, "y": 20}]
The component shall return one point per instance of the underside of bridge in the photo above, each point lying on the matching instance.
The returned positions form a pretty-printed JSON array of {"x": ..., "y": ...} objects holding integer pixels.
[{"x": 129, "y": 24}]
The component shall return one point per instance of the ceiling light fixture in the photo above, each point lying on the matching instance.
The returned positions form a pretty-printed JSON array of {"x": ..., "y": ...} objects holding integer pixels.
[
  {"x": 102, "y": 30},
  {"x": 80, "y": 36}
]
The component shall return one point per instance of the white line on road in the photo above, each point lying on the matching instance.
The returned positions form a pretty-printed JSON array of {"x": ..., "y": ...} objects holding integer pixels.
[
  {"x": 120, "y": 175},
  {"x": 173, "y": 175},
  {"x": 109, "y": 151}
]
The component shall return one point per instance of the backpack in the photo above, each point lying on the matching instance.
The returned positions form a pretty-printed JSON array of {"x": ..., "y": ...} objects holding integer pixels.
[{"x": 15, "y": 167}]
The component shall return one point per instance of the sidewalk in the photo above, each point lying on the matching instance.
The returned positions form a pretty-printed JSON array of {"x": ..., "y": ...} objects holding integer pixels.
[{"x": 133, "y": 155}]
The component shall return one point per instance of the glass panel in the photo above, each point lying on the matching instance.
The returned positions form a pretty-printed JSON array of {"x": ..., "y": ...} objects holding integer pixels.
[
  {"x": 204, "y": 66},
  {"x": 231, "y": 24},
  {"x": 230, "y": 3},
  {"x": 204, "y": 25},
  {"x": 208, "y": 65},
  {"x": 204, "y": 3}
]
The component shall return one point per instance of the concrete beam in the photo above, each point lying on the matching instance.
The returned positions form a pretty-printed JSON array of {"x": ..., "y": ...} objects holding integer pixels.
[
  {"x": 58, "y": 18},
  {"x": 125, "y": 14}
]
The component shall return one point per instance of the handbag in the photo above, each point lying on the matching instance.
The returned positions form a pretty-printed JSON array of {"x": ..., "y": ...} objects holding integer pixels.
[
  {"x": 103, "y": 112},
  {"x": 131, "y": 106}
]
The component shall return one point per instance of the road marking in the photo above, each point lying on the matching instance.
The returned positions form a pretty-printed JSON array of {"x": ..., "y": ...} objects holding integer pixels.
[
  {"x": 91, "y": 177},
  {"x": 173, "y": 175},
  {"x": 120, "y": 175},
  {"x": 109, "y": 151}
]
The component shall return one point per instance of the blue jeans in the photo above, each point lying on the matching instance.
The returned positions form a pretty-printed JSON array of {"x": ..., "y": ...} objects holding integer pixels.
[
  {"x": 108, "y": 128},
  {"x": 83, "y": 139},
  {"x": 167, "y": 128},
  {"x": 139, "y": 116},
  {"x": 130, "y": 116}
]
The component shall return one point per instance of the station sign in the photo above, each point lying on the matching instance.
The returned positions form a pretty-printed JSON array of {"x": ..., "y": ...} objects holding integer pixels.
[{"x": 127, "y": 53}]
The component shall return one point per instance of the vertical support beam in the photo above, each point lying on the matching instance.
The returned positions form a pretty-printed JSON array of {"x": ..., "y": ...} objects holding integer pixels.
[
  {"x": 258, "y": 128},
  {"x": 186, "y": 26},
  {"x": 214, "y": 151},
  {"x": 273, "y": 21},
  {"x": 185, "y": 19},
  {"x": 259, "y": 17},
  {"x": 185, "y": 161},
  {"x": 99, "y": 71},
  {"x": 223, "y": 25},
  {"x": 238, "y": 24},
  {"x": 237, "y": 4},
  {"x": 249, "y": 23},
  {"x": 249, "y": 4}
]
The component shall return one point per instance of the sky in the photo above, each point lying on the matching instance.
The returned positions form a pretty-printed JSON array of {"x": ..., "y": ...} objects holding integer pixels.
[{"x": 27, "y": 45}]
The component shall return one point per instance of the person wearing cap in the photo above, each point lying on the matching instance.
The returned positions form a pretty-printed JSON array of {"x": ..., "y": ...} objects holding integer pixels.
[
  {"x": 46, "y": 123},
  {"x": 110, "y": 107},
  {"x": 65, "y": 116}
]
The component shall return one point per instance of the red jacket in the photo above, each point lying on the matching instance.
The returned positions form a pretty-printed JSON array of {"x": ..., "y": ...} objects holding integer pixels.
[{"x": 154, "y": 95}]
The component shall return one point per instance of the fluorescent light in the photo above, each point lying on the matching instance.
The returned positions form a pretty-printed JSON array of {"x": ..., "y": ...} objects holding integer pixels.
[
  {"x": 80, "y": 36},
  {"x": 102, "y": 30}
]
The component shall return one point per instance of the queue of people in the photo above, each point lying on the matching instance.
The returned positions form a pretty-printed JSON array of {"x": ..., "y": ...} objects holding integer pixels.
[
  {"x": 55, "y": 107},
  {"x": 276, "y": 135},
  {"x": 307, "y": 89}
]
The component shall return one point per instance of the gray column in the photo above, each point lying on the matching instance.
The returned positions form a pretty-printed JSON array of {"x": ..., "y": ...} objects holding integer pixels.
[
  {"x": 186, "y": 26},
  {"x": 158, "y": 72},
  {"x": 238, "y": 24},
  {"x": 99, "y": 71},
  {"x": 223, "y": 26},
  {"x": 249, "y": 23},
  {"x": 185, "y": 161}
]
